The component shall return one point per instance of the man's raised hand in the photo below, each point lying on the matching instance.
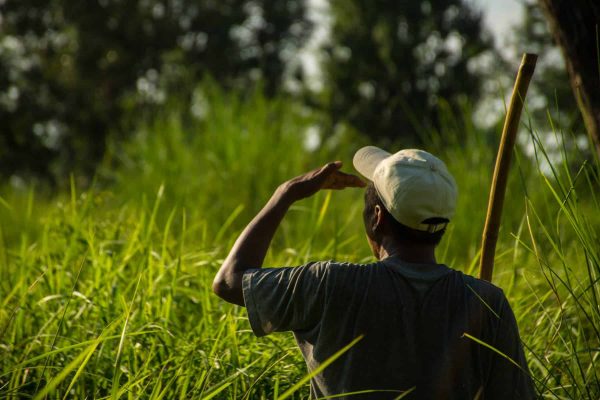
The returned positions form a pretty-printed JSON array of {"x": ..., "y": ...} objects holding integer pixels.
[{"x": 327, "y": 177}]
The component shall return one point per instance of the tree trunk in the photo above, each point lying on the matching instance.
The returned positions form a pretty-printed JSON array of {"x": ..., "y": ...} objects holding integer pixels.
[{"x": 575, "y": 26}]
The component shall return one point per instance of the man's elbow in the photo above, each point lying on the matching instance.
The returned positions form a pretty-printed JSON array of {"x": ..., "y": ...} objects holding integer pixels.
[
  {"x": 228, "y": 291},
  {"x": 220, "y": 288}
]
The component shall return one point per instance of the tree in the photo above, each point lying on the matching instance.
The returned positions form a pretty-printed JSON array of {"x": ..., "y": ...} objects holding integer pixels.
[
  {"x": 391, "y": 62},
  {"x": 550, "y": 88},
  {"x": 70, "y": 70},
  {"x": 575, "y": 27}
]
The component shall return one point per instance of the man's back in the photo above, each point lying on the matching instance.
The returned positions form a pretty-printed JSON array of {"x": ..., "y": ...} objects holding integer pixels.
[
  {"x": 412, "y": 318},
  {"x": 424, "y": 328}
]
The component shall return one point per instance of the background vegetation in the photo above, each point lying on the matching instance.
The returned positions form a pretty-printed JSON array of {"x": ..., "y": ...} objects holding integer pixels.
[
  {"x": 139, "y": 137},
  {"x": 112, "y": 60},
  {"x": 106, "y": 291}
]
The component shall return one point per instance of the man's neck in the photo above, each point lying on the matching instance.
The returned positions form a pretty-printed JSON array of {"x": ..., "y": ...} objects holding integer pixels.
[{"x": 409, "y": 252}]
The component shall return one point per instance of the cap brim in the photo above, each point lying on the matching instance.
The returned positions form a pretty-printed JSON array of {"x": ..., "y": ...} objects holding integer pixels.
[{"x": 367, "y": 159}]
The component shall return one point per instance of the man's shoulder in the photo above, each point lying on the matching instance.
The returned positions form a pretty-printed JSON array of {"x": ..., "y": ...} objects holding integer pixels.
[
  {"x": 480, "y": 284},
  {"x": 344, "y": 267},
  {"x": 476, "y": 286},
  {"x": 483, "y": 290},
  {"x": 341, "y": 272},
  {"x": 316, "y": 269},
  {"x": 336, "y": 265}
]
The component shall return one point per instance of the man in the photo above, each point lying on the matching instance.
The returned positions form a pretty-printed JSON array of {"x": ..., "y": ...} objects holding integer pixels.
[{"x": 410, "y": 313}]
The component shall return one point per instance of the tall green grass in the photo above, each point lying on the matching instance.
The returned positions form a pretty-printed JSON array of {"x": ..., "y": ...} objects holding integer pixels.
[{"x": 106, "y": 292}]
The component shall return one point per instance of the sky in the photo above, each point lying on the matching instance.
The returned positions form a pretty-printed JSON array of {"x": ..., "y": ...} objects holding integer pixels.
[{"x": 500, "y": 16}]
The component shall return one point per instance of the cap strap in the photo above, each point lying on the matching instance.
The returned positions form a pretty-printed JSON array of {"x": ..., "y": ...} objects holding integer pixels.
[{"x": 433, "y": 228}]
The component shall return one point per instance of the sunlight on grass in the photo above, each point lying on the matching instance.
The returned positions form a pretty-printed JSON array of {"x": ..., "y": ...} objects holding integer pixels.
[{"x": 106, "y": 292}]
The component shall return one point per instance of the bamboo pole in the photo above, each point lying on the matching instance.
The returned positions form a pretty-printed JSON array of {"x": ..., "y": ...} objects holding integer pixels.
[{"x": 507, "y": 142}]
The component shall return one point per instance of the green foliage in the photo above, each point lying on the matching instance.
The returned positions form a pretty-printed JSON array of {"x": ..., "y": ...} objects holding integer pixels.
[
  {"x": 73, "y": 73},
  {"x": 387, "y": 70},
  {"x": 107, "y": 292},
  {"x": 71, "y": 70},
  {"x": 221, "y": 165}
]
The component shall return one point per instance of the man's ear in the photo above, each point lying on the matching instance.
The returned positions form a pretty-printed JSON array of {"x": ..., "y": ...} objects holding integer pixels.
[{"x": 377, "y": 221}]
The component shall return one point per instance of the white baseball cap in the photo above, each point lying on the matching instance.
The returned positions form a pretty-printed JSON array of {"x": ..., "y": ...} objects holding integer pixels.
[{"x": 413, "y": 185}]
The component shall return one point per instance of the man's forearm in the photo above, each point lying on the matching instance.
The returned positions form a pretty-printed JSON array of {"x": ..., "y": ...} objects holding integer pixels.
[{"x": 251, "y": 247}]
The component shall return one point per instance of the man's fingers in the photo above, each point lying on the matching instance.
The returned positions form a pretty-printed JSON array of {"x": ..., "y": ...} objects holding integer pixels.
[
  {"x": 332, "y": 166},
  {"x": 350, "y": 180},
  {"x": 323, "y": 174},
  {"x": 341, "y": 180},
  {"x": 333, "y": 178}
]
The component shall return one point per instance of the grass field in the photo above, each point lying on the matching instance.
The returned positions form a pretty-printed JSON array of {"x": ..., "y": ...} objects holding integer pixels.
[{"x": 106, "y": 292}]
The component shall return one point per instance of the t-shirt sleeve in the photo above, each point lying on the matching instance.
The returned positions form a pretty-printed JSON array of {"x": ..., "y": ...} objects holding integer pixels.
[
  {"x": 507, "y": 380},
  {"x": 284, "y": 299}
]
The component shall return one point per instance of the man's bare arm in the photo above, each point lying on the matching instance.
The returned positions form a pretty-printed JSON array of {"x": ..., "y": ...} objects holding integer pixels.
[{"x": 251, "y": 247}]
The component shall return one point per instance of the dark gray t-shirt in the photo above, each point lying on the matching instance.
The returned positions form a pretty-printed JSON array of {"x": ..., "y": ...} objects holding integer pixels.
[{"x": 412, "y": 317}]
